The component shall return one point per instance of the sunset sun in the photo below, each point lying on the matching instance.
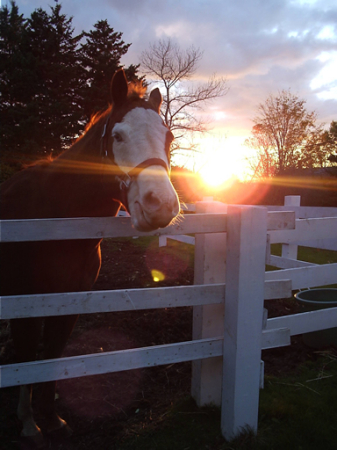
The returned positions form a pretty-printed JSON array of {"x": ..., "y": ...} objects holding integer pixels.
[
  {"x": 215, "y": 173},
  {"x": 222, "y": 161}
]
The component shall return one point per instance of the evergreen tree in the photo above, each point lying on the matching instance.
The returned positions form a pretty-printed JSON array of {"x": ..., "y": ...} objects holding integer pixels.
[
  {"x": 100, "y": 57},
  {"x": 54, "y": 112},
  {"x": 50, "y": 84},
  {"x": 40, "y": 79},
  {"x": 15, "y": 75}
]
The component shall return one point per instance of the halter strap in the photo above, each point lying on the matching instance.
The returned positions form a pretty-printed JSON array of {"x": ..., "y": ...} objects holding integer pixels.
[
  {"x": 127, "y": 177},
  {"x": 104, "y": 139},
  {"x": 147, "y": 163}
]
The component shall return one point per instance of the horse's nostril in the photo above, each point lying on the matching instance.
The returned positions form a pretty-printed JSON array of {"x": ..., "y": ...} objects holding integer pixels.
[{"x": 152, "y": 201}]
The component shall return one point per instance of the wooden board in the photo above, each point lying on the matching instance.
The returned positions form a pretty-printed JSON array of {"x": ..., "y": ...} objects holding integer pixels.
[
  {"x": 306, "y": 230},
  {"x": 103, "y": 227},
  {"x": 287, "y": 263},
  {"x": 306, "y": 277},
  {"x": 307, "y": 322},
  {"x": 307, "y": 212},
  {"x": 19, "y": 306},
  {"x": 100, "y": 363}
]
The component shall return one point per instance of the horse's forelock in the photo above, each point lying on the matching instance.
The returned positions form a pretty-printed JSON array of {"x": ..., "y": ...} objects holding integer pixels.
[{"x": 136, "y": 91}]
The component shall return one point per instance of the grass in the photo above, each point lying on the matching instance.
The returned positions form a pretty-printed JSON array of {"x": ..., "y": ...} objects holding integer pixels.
[
  {"x": 296, "y": 412},
  {"x": 309, "y": 254},
  {"x": 184, "y": 427},
  {"x": 300, "y": 411}
]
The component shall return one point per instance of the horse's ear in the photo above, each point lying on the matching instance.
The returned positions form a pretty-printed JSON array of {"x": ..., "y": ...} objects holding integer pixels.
[
  {"x": 156, "y": 99},
  {"x": 119, "y": 88}
]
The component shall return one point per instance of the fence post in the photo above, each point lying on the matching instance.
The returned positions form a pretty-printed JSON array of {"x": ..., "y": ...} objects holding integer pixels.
[
  {"x": 209, "y": 268},
  {"x": 246, "y": 252},
  {"x": 290, "y": 250}
]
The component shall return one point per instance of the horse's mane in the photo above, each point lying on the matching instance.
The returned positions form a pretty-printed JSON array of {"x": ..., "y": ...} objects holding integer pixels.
[
  {"x": 43, "y": 162},
  {"x": 91, "y": 134},
  {"x": 136, "y": 91}
]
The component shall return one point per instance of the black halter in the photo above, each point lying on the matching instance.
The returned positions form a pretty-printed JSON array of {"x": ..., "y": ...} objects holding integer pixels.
[{"x": 125, "y": 178}]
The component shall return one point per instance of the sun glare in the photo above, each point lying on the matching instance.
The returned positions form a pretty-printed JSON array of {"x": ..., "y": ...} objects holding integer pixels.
[
  {"x": 157, "y": 275},
  {"x": 223, "y": 160},
  {"x": 216, "y": 173}
]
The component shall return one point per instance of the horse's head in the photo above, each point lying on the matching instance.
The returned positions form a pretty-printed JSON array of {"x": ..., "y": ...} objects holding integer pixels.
[{"x": 140, "y": 149}]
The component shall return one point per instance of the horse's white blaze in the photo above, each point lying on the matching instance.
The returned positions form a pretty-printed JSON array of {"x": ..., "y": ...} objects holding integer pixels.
[
  {"x": 153, "y": 202},
  {"x": 143, "y": 136}
]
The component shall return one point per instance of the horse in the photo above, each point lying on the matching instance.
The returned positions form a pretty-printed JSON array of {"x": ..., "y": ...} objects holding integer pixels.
[{"x": 122, "y": 158}]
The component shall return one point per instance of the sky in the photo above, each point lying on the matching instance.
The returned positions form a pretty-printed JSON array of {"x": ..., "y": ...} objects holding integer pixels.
[{"x": 260, "y": 46}]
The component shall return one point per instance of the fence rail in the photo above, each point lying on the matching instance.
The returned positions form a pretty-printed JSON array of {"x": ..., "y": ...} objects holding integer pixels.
[
  {"x": 104, "y": 227},
  {"x": 100, "y": 363},
  {"x": 43, "y": 305},
  {"x": 221, "y": 341}
]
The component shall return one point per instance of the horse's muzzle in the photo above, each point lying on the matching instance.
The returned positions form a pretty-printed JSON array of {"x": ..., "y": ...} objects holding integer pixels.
[{"x": 152, "y": 213}]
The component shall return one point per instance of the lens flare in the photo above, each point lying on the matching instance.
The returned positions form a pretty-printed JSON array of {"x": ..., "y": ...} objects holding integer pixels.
[{"x": 157, "y": 275}]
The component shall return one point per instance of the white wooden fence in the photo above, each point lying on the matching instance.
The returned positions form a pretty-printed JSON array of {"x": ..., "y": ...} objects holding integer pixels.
[{"x": 226, "y": 348}]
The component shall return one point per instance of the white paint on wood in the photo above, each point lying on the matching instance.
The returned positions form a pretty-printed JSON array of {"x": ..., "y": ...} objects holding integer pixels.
[
  {"x": 321, "y": 319},
  {"x": 185, "y": 239},
  {"x": 103, "y": 227},
  {"x": 284, "y": 220},
  {"x": 307, "y": 212},
  {"x": 110, "y": 301},
  {"x": 190, "y": 207},
  {"x": 281, "y": 288},
  {"x": 273, "y": 338},
  {"x": 306, "y": 230},
  {"x": 209, "y": 268},
  {"x": 287, "y": 263},
  {"x": 306, "y": 277},
  {"x": 163, "y": 241},
  {"x": 100, "y": 363},
  {"x": 290, "y": 250},
  {"x": 246, "y": 250},
  {"x": 42, "y": 305}
]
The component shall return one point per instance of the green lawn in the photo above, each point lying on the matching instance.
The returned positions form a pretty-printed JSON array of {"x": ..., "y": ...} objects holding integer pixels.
[
  {"x": 297, "y": 412},
  {"x": 309, "y": 254}
]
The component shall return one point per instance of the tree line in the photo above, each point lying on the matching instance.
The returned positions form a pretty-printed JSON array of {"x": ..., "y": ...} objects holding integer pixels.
[
  {"x": 51, "y": 79},
  {"x": 287, "y": 137}
]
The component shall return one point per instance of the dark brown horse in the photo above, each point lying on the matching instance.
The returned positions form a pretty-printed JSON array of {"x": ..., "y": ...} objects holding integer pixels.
[{"x": 122, "y": 158}]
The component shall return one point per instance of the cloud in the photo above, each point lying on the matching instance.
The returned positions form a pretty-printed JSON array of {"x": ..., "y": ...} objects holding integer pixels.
[{"x": 260, "y": 46}]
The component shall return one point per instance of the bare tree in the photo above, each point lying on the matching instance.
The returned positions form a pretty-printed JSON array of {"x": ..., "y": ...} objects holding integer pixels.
[
  {"x": 173, "y": 67},
  {"x": 286, "y": 136},
  {"x": 262, "y": 164}
]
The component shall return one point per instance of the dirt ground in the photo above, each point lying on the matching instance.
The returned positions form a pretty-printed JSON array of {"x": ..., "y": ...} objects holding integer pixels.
[{"x": 106, "y": 409}]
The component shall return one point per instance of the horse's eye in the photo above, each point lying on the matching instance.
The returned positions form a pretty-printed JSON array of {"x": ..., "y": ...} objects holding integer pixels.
[{"x": 117, "y": 137}]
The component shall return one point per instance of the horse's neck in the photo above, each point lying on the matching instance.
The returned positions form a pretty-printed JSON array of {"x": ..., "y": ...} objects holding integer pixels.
[
  {"x": 81, "y": 188},
  {"x": 73, "y": 185}
]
